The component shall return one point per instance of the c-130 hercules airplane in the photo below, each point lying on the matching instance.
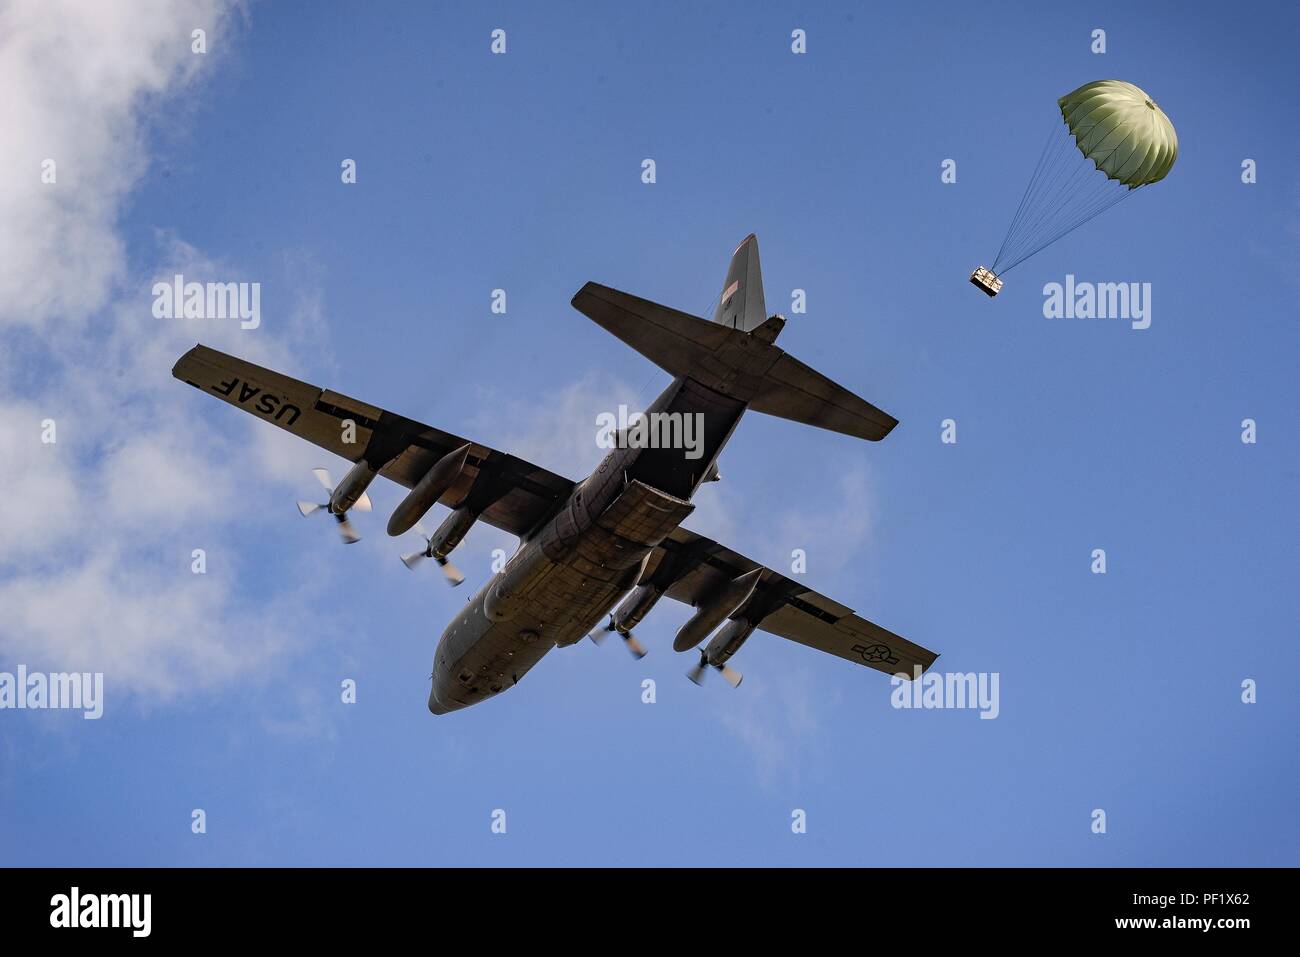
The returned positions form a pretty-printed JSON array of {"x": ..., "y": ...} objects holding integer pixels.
[{"x": 584, "y": 545}]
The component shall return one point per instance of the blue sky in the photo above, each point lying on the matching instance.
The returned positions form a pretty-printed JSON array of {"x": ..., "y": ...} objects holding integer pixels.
[{"x": 522, "y": 172}]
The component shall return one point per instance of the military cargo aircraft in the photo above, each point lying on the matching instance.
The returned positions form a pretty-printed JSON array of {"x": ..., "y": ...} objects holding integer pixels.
[{"x": 615, "y": 535}]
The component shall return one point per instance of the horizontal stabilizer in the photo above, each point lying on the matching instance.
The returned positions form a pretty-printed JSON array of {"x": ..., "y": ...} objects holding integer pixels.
[
  {"x": 802, "y": 394},
  {"x": 744, "y": 365}
]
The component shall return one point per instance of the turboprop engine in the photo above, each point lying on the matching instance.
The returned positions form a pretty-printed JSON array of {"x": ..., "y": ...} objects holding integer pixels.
[
  {"x": 428, "y": 490},
  {"x": 720, "y": 649},
  {"x": 440, "y": 544},
  {"x": 348, "y": 494},
  {"x": 629, "y": 614},
  {"x": 722, "y": 604}
]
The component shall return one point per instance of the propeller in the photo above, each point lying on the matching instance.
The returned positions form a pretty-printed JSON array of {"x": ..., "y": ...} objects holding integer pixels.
[
  {"x": 730, "y": 675},
  {"x": 635, "y": 647},
  {"x": 453, "y": 574},
  {"x": 346, "y": 531}
]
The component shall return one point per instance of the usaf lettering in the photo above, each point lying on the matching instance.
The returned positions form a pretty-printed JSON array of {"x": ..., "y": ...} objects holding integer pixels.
[{"x": 266, "y": 405}]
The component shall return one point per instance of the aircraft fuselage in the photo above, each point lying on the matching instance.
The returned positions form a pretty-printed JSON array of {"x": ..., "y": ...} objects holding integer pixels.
[{"x": 568, "y": 574}]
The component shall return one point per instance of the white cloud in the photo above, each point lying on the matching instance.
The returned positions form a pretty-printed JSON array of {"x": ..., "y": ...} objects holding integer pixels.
[
  {"x": 153, "y": 628},
  {"x": 775, "y": 719},
  {"x": 95, "y": 560},
  {"x": 36, "y": 484},
  {"x": 836, "y": 531},
  {"x": 78, "y": 80}
]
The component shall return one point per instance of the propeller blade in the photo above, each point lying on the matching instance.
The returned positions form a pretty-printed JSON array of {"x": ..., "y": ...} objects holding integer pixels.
[
  {"x": 419, "y": 530},
  {"x": 346, "y": 531},
  {"x": 454, "y": 577},
  {"x": 731, "y": 676},
  {"x": 413, "y": 559},
  {"x": 363, "y": 503},
  {"x": 323, "y": 476},
  {"x": 599, "y": 635},
  {"x": 696, "y": 674},
  {"x": 635, "y": 647},
  {"x": 308, "y": 507}
]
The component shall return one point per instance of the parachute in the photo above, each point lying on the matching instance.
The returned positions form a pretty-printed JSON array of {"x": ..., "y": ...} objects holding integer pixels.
[{"x": 1114, "y": 140}]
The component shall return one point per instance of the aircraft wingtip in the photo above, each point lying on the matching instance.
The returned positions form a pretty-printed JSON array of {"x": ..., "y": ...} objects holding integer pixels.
[{"x": 586, "y": 289}]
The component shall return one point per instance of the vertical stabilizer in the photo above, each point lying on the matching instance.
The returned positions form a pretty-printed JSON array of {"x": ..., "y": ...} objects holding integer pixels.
[{"x": 741, "y": 306}]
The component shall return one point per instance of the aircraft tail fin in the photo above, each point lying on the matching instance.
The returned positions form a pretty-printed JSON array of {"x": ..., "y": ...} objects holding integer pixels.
[
  {"x": 741, "y": 305},
  {"x": 744, "y": 364}
]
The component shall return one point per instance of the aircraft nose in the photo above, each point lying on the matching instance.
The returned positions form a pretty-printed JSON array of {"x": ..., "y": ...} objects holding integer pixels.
[{"x": 441, "y": 704}]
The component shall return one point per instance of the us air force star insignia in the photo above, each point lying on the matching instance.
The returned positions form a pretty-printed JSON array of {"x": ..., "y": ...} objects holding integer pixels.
[{"x": 875, "y": 654}]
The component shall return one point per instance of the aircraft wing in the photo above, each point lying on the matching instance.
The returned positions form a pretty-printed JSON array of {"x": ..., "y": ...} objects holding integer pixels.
[
  {"x": 695, "y": 566},
  {"x": 513, "y": 495}
]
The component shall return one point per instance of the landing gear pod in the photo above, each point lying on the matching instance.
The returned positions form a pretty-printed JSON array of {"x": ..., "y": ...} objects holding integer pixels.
[
  {"x": 987, "y": 281},
  {"x": 516, "y": 580}
]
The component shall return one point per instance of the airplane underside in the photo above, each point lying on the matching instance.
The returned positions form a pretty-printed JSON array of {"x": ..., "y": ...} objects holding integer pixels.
[
  {"x": 617, "y": 534},
  {"x": 478, "y": 658},
  {"x": 564, "y": 581}
]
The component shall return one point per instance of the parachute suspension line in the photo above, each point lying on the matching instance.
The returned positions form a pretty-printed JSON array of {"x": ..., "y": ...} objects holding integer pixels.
[
  {"x": 1041, "y": 182},
  {"x": 1110, "y": 139},
  {"x": 1046, "y": 187},
  {"x": 1063, "y": 209},
  {"x": 1067, "y": 175},
  {"x": 1089, "y": 195},
  {"x": 1064, "y": 192},
  {"x": 1111, "y": 198},
  {"x": 1047, "y": 143}
]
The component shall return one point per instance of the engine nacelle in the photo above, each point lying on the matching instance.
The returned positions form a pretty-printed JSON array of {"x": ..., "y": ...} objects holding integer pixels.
[
  {"x": 635, "y": 607},
  {"x": 354, "y": 485},
  {"x": 451, "y": 531},
  {"x": 723, "y": 604},
  {"x": 428, "y": 490},
  {"x": 728, "y": 641}
]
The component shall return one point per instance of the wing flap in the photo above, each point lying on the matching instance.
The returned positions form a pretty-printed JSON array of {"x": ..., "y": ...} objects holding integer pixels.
[{"x": 354, "y": 407}]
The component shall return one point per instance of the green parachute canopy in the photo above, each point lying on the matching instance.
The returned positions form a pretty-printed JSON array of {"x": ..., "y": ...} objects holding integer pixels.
[
  {"x": 1122, "y": 131},
  {"x": 1113, "y": 141}
]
